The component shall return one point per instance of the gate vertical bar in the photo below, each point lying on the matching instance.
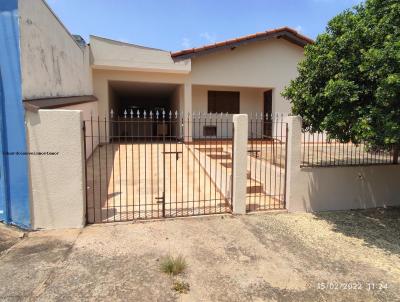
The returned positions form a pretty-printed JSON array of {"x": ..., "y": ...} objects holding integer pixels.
[
  {"x": 86, "y": 178},
  {"x": 133, "y": 167},
  {"x": 151, "y": 164},
  {"x": 163, "y": 182},
  {"x": 106, "y": 144},
  {"x": 98, "y": 142},
  {"x": 92, "y": 155},
  {"x": 126, "y": 167}
]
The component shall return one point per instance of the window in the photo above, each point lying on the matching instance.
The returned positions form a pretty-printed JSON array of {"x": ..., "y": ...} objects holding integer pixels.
[
  {"x": 223, "y": 101},
  {"x": 210, "y": 131}
]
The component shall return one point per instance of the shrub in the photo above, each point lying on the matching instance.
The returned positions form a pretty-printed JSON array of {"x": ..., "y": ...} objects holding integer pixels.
[{"x": 173, "y": 266}]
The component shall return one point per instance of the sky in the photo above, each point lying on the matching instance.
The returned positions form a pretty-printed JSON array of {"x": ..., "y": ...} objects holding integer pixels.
[{"x": 178, "y": 24}]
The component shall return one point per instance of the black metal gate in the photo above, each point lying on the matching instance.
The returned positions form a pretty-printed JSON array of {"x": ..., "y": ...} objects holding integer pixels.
[
  {"x": 267, "y": 163},
  {"x": 155, "y": 165}
]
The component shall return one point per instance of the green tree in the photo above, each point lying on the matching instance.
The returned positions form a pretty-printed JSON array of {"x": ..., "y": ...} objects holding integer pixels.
[{"x": 349, "y": 81}]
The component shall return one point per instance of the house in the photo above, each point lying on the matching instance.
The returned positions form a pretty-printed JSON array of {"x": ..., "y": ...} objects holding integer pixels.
[
  {"x": 45, "y": 67},
  {"x": 81, "y": 140},
  {"x": 243, "y": 75}
]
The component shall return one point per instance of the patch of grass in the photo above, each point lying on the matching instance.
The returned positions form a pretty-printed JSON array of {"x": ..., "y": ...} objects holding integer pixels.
[
  {"x": 181, "y": 287},
  {"x": 173, "y": 266}
]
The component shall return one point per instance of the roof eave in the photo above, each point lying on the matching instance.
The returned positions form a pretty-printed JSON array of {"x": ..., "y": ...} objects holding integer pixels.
[{"x": 284, "y": 34}]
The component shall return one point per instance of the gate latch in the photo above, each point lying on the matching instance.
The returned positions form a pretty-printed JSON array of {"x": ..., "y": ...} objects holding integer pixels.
[
  {"x": 160, "y": 199},
  {"x": 174, "y": 152}
]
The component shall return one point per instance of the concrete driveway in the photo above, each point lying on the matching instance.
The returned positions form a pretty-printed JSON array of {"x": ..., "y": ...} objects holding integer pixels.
[{"x": 341, "y": 256}]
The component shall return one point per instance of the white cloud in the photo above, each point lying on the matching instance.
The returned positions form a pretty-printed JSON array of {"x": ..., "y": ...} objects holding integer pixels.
[
  {"x": 186, "y": 43},
  {"x": 210, "y": 38},
  {"x": 298, "y": 28}
]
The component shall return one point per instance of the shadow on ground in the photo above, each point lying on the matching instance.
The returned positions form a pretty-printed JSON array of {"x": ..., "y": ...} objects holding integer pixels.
[
  {"x": 8, "y": 237},
  {"x": 378, "y": 228}
]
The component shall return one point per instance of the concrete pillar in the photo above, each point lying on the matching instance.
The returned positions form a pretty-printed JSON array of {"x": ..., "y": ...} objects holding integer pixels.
[
  {"x": 239, "y": 177},
  {"x": 187, "y": 99},
  {"x": 293, "y": 157},
  {"x": 57, "y": 178}
]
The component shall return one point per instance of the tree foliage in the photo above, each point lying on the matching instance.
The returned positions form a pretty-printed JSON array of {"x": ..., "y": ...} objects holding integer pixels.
[{"x": 349, "y": 81}]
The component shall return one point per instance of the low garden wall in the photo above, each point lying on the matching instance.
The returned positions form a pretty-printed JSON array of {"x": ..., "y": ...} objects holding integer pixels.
[{"x": 339, "y": 187}]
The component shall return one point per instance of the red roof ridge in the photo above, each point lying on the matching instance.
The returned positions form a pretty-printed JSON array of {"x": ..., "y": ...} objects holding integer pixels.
[{"x": 266, "y": 33}]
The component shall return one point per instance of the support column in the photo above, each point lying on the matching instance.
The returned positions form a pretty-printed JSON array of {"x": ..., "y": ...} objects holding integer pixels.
[
  {"x": 187, "y": 105},
  {"x": 239, "y": 164},
  {"x": 293, "y": 157}
]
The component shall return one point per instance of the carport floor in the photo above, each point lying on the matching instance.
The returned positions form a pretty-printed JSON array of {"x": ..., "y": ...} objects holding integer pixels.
[{"x": 126, "y": 181}]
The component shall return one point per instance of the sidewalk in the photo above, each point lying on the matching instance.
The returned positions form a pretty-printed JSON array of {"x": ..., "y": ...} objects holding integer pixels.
[{"x": 261, "y": 257}]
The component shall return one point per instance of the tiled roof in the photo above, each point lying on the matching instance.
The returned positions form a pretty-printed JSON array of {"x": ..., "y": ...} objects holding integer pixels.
[{"x": 284, "y": 32}]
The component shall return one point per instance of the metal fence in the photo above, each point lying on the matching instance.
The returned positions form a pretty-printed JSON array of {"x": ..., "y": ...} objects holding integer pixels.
[
  {"x": 156, "y": 164},
  {"x": 320, "y": 151},
  {"x": 266, "y": 175}
]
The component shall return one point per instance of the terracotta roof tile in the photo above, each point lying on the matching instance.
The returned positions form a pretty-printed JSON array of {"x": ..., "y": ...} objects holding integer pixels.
[{"x": 286, "y": 31}]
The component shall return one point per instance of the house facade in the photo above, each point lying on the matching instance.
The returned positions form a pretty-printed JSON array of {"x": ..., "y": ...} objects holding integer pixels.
[
  {"x": 243, "y": 75},
  {"x": 77, "y": 147},
  {"x": 44, "y": 67}
]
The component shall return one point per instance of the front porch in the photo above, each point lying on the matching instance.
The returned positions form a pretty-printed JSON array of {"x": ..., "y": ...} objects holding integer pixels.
[{"x": 204, "y": 104}]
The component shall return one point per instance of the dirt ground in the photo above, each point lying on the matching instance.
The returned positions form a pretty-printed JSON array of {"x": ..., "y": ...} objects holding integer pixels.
[
  {"x": 8, "y": 237},
  {"x": 331, "y": 256}
]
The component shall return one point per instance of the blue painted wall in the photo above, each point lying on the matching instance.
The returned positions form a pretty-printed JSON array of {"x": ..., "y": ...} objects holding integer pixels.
[
  {"x": 14, "y": 183},
  {"x": 3, "y": 197}
]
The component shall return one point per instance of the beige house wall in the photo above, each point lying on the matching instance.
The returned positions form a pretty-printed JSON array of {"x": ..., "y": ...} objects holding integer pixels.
[
  {"x": 52, "y": 63},
  {"x": 115, "y": 55},
  {"x": 89, "y": 110},
  {"x": 263, "y": 64},
  {"x": 250, "y": 69}
]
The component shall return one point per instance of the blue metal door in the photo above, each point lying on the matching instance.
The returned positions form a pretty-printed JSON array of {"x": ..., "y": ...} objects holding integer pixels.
[{"x": 14, "y": 182}]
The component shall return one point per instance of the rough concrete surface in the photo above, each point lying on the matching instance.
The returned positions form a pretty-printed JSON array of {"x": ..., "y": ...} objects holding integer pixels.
[{"x": 261, "y": 257}]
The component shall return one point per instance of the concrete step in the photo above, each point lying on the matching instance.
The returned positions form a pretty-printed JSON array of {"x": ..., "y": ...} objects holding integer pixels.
[
  {"x": 253, "y": 186},
  {"x": 254, "y": 189},
  {"x": 227, "y": 165},
  {"x": 220, "y": 156},
  {"x": 210, "y": 149}
]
